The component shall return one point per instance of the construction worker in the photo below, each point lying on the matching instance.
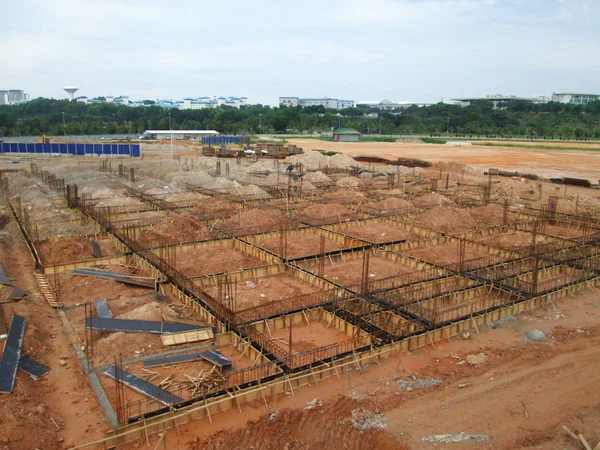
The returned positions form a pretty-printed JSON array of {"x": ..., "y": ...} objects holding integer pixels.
[{"x": 290, "y": 169}]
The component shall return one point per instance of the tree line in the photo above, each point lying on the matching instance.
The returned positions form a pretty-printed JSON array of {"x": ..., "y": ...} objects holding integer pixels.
[{"x": 516, "y": 118}]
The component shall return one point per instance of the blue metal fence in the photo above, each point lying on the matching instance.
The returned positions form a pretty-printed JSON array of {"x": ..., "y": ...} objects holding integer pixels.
[
  {"x": 132, "y": 150},
  {"x": 218, "y": 140}
]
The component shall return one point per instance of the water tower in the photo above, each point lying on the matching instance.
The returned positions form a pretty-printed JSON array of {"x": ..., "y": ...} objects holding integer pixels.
[{"x": 71, "y": 91}]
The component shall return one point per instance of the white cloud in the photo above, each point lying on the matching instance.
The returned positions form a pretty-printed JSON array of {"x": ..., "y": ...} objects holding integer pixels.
[{"x": 416, "y": 49}]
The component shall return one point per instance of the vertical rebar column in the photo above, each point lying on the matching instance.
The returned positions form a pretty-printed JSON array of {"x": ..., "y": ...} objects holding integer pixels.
[
  {"x": 321, "y": 272},
  {"x": 461, "y": 256},
  {"x": 364, "y": 287},
  {"x": 119, "y": 391}
]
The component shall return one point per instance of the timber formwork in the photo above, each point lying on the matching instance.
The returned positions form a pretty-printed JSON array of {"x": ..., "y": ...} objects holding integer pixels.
[
  {"x": 423, "y": 302},
  {"x": 413, "y": 231}
]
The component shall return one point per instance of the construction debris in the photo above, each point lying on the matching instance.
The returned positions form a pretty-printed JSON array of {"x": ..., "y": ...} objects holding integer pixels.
[{"x": 459, "y": 438}]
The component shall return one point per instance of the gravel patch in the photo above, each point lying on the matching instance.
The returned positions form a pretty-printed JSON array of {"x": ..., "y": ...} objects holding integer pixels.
[
  {"x": 363, "y": 420},
  {"x": 417, "y": 383}
]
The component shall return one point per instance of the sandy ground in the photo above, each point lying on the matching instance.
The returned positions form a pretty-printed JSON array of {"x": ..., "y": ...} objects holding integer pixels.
[{"x": 546, "y": 163}]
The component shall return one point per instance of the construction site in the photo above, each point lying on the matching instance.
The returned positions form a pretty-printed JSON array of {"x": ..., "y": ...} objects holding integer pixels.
[{"x": 174, "y": 301}]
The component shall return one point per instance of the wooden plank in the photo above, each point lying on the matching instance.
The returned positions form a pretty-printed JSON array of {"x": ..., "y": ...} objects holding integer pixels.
[{"x": 187, "y": 337}]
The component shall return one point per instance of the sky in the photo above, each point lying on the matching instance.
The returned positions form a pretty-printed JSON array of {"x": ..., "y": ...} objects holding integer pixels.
[{"x": 402, "y": 50}]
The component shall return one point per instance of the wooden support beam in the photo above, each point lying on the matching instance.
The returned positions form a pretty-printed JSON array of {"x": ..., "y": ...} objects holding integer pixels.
[
  {"x": 289, "y": 382},
  {"x": 145, "y": 425},
  {"x": 305, "y": 318},
  {"x": 207, "y": 409},
  {"x": 172, "y": 413}
]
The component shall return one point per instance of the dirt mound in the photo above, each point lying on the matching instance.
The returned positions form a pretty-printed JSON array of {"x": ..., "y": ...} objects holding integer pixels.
[
  {"x": 310, "y": 160},
  {"x": 433, "y": 198},
  {"x": 317, "y": 177},
  {"x": 255, "y": 218},
  {"x": 331, "y": 210},
  {"x": 345, "y": 195},
  {"x": 341, "y": 161},
  {"x": 321, "y": 426},
  {"x": 185, "y": 197},
  {"x": 492, "y": 213},
  {"x": 252, "y": 191},
  {"x": 514, "y": 188},
  {"x": 216, "y": 207},
  {"x": 349, "y": 182},
  {"x": 446, "y": 220},
  {"x": 70, "y": 249},
  {"x": 388, "y": 192},
  {"x": 174, "y": 229},
  {"x": 454, "y": 167},
  {"x": 390, "y": 203}
]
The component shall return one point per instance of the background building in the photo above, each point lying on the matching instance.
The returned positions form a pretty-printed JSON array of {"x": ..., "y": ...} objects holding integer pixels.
[
  {"x": 207, "y": 102},
  {"x": 12, "y": 96},
  {"x": 329, "y": 103},
  {"x": 577, "y": 99},
  {"x": 180, "y": 134},
  {"x": 497, "y": 99},
  {"x": 186, "y": 103},
  {"x": 387, "y": 105},
  {"x": 346, "y": 135}
]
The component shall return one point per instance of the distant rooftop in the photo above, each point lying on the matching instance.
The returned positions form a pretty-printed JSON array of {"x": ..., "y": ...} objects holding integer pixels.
[{"x": 346, "y": 131}]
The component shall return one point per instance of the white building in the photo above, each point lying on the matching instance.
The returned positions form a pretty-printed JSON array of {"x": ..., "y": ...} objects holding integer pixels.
[
  {"x": 497, "y": 99},
  {"x": 329, "y": 103},
  {"x": 207, "y": 102},
  {"x": 181, "y": 134},
  {"x": 387, "y": 105},
  {"x": 13, "y": 96},
  {"x": 577, "y": 99}
]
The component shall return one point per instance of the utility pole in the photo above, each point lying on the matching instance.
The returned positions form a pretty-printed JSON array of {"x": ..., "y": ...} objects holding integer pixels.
[
  {"x": 64, "y": 124},
  {"x": 380, "y": 118},
  {"x": 520, "y": 122},
  {"x": 171, "y": 129},
  {"x": 260, "y": 123},
  {"x": 148, "y": 124},
  {"x": 448, "y": 126}
]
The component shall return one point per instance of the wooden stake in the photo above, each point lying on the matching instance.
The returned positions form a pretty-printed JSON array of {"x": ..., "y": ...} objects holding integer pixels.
[
  {"x": 163, "y": 436},
  {"x": 305, "y": 318},
  {"x": 146, "y": 431},
  {"x": 55, "y": 424},
  {"x": 207, "y": 410}
]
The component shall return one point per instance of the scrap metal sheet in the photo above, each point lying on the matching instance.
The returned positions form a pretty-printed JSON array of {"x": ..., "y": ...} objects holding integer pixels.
[
  {"x": 143, "y": 387},
  {"x": 214, "y": 357},
  {"x": 115, "y": 276},
  {"x": 33, "y": 368},
  {"x": 172, "y": 359},
  {"x": 3, "y": 278},
  {"x": 102, "y": 309},
  {"x": 12, "y": 354},
  {"x": 96, "y": 252},
  {"x": 138, "y": 326}
]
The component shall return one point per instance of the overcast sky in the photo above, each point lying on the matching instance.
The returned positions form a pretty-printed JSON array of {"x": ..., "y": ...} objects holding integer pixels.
[{"x": 416, "y": 50}]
